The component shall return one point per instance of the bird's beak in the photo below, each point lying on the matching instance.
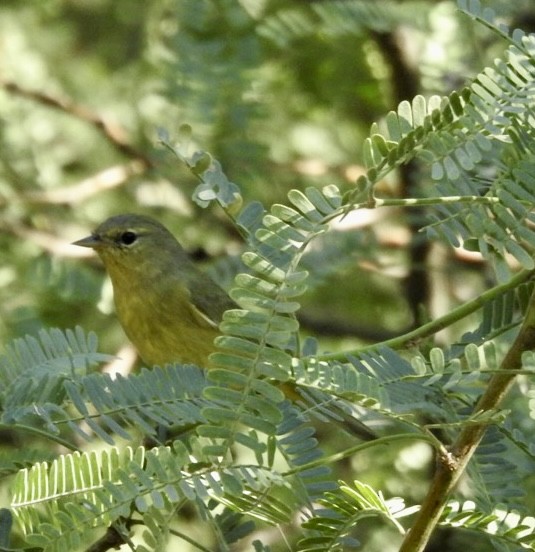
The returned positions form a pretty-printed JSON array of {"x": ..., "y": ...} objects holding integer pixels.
[{"x": 92, "y": 241}]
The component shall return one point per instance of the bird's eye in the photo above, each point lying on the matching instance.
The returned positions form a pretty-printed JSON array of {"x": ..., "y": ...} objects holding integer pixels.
[{"x": 128, "y": 237}]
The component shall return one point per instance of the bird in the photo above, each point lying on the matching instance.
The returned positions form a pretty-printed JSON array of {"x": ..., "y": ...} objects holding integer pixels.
[{"x": 169, "y": 309}]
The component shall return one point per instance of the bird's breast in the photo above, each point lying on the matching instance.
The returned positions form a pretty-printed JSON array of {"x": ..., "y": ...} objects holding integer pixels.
[{"x": 163, "y": 326}]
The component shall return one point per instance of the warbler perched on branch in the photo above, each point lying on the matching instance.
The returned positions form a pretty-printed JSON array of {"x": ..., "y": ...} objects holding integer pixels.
[{"x": 169, "y": 309}]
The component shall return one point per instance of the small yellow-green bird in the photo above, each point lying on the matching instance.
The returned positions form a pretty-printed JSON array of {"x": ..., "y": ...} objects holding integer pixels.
[{"x": 169, "y": 309}]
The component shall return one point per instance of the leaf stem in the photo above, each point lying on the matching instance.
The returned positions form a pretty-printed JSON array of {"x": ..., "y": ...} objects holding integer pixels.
[
  {"x": 48, "y": 436},
  {"x": 384, "y": 441},
  {"x": 440, "y": 323}
]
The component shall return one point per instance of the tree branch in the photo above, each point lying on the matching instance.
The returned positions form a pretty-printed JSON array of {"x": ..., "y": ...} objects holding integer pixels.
[
  {"x": 452, "y": 466},
  {"x": 113, "y": 133}
]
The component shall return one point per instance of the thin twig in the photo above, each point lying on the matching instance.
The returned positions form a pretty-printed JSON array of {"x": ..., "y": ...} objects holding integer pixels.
[
  {"x": 440, "y": 323},
  {"x": 106, "y": 179},
  {"x": 113, "y": 133},
  {"x": 112, "y": 538}
]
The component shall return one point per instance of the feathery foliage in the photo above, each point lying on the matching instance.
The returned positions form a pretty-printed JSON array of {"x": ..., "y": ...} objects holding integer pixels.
[{"x": 239, "y": 445}]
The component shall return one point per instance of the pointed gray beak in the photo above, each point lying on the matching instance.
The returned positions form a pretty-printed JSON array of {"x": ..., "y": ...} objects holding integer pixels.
[{"x": 92, "y": 241}]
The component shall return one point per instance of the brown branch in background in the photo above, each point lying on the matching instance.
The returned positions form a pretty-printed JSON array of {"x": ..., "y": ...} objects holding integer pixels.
[
  {"x": 113, "y": 133},
  {"x": 405, "y": 82},
  {"x": 47, "y": 241},
  {"x": 88, "y": 187}
]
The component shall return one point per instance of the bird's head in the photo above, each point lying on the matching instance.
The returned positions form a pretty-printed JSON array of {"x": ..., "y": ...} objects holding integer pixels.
[{"x": 131, "y": 243}]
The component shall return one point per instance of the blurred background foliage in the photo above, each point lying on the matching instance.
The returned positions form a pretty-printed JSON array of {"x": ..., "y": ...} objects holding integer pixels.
[{"x": 282, "y": 93}]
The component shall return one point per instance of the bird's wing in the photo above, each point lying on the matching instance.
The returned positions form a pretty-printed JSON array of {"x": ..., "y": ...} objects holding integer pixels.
[
  {"x": 209, "y": 299},
  {"x": 201, "y": 318}
]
